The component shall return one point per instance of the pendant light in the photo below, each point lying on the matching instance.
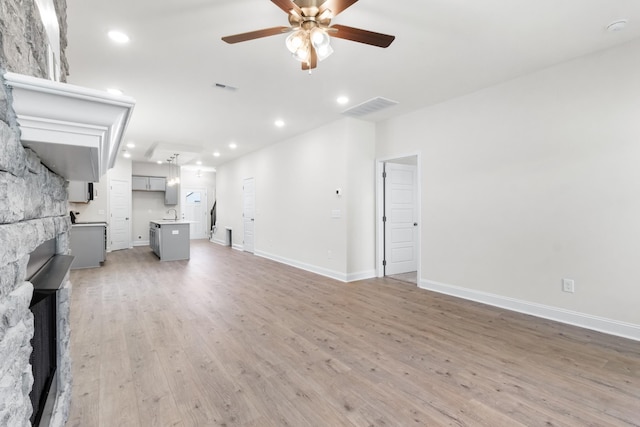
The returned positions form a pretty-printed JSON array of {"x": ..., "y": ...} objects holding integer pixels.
[{"x": 174, "y": 171}]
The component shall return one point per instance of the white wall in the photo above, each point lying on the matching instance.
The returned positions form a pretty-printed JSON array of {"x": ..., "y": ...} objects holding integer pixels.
[
  {"x": 360, "y": 196},
  {"x": 532, "y": 181},
  {"x": 296, "y": 182}
]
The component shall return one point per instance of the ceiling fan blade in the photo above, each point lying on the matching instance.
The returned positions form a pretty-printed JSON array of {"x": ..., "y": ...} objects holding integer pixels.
[
  {"x": 288, "y": 6},
  {"x": 237, "y": 38},
  {"x": 361, "y": 36},
  {"x": 335, "y": 6},
  {"x": 313, "y": 61}
]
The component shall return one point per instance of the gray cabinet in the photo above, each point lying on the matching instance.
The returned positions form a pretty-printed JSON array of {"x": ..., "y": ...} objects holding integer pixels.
[
  {"x": 88, "y": 244},
  {"x": 171, "y": 194},
  {"x": 169, "y": 240},
  {"x": 148, "y": 183},
  {"x": 80, "y": 191},
  {"x": 154, "y": 239},
  {"x": 139, "y": 183},
  {"x": 157, "y": 183}
]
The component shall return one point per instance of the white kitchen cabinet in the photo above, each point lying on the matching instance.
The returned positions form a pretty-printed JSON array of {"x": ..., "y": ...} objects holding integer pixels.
[{"x": 148, "y": 183}]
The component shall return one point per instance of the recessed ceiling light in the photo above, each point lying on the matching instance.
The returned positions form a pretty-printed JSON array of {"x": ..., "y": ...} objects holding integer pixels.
[
  {"x": 159, "y": 162},
  {"x": 216, "y": 154},
  {"x": 342, "y": 100},
  {"x": 617, "y": 25},
  {"x": 233, "y": 146},
  {"x": 198, "y": 163},
  {"x": 279, "y": 123},
  {"x": 131, "y": 145},
  {"x": 114, "y": 91},
  {"x": 118, "y": 36},
  {"x": 127, "y": 155}
]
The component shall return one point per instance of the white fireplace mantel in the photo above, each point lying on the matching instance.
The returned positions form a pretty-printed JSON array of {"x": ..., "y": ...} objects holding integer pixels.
[{"x": 75, "y": 131}]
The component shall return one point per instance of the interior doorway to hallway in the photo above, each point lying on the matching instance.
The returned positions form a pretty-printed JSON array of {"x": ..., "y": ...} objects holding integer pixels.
[
  {"x": 398, "y": 212},
  {"x": 194, "y": 208}
]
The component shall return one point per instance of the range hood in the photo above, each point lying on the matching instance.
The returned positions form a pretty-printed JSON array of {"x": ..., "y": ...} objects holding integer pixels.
[{"x": 75, "y": 131}]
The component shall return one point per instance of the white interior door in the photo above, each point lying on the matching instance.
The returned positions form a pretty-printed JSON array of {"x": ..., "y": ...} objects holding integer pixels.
[
  {"x": 194, "y": 209},
  {"x": 248, "y": 212},
  {"x": 120, "y": 207},
  {"x": 401, "y": 227}
]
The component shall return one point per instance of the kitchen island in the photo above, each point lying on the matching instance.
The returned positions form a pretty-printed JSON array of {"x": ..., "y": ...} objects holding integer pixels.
[{"x": 169, "y": 239}]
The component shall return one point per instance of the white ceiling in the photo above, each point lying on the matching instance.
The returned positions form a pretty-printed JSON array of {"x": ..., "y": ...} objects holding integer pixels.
[{"x": 443, "y": 49}]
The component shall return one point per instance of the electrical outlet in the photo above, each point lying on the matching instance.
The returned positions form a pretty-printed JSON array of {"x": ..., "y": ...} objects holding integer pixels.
[
  {"x": 568, "y": 285},
  {"x": 329, "y": 254}
]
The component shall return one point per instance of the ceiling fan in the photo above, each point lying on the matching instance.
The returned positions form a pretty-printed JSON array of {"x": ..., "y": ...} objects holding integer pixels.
[{"x": 310, "y": 29}]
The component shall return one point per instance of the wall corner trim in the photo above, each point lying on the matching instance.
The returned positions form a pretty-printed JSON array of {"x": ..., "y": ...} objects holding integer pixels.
[{"x": 587, "y": 321}]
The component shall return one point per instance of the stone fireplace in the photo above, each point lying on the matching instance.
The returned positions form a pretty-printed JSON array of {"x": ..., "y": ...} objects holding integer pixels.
[
  {"x": 77, "y": 132},
  {"x": 34, "y": 192},
  {"x": 33, "y": 209},
  {"x": 47, "y": 272}
]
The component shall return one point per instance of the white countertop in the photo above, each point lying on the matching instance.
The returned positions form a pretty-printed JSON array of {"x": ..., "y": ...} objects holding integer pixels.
[{"x": 170, "y": 221}]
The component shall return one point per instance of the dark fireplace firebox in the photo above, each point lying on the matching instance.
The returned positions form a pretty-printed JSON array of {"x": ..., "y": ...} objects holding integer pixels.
[
  {"x": 43, "y": 358},
  {"x": 46, "y": 271}
]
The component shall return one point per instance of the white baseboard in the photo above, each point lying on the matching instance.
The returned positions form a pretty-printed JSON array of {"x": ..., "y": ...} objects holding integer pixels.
[
  {"x": 238, "y": 247},
  {"x": 351, "y": 277},
  {"x": 303, "y": 266},
  {"x": 140, "y": 243},
  {"x": 361, "y": 275},
  {"x": 600, "y": 324},
  {"x": 218, "y": 241}
]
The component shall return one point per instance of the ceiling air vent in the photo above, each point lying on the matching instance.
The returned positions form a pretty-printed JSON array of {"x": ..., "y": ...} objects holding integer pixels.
[
  {"x": 225, "y": 87},
  {"x": 371, "y": 106}
]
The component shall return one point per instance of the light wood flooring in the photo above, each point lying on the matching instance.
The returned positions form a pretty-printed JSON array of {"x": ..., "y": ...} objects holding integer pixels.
[
  {"x": 230, "y": 339},
  {"x": 410, "y": 277}
]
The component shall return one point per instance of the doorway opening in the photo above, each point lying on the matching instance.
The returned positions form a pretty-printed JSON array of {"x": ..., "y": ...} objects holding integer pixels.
[
  {"x": 194, "y": 208},
  {"x": 398, "y": 212}
]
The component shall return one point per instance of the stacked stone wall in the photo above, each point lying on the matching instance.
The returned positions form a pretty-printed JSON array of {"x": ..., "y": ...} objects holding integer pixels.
[{"x": 33, "y": 209}]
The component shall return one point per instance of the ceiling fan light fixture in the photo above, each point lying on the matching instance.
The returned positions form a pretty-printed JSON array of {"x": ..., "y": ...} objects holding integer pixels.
[
  {"x": 295, "y": 41},
  {"x": 325, "y": 15},
  {"x": 324, "y": 52},
  {"x": 303, "y": 53},
  {"x": 319, "y": 38},
  {"x": 310, "y": 29}
]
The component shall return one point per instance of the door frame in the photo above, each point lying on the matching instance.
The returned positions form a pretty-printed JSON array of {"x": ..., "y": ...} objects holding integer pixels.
[
  {"x": 253, "y": 249},
  {"x": 380, "y": 211},
  {"x": 203, "y": 190}
]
